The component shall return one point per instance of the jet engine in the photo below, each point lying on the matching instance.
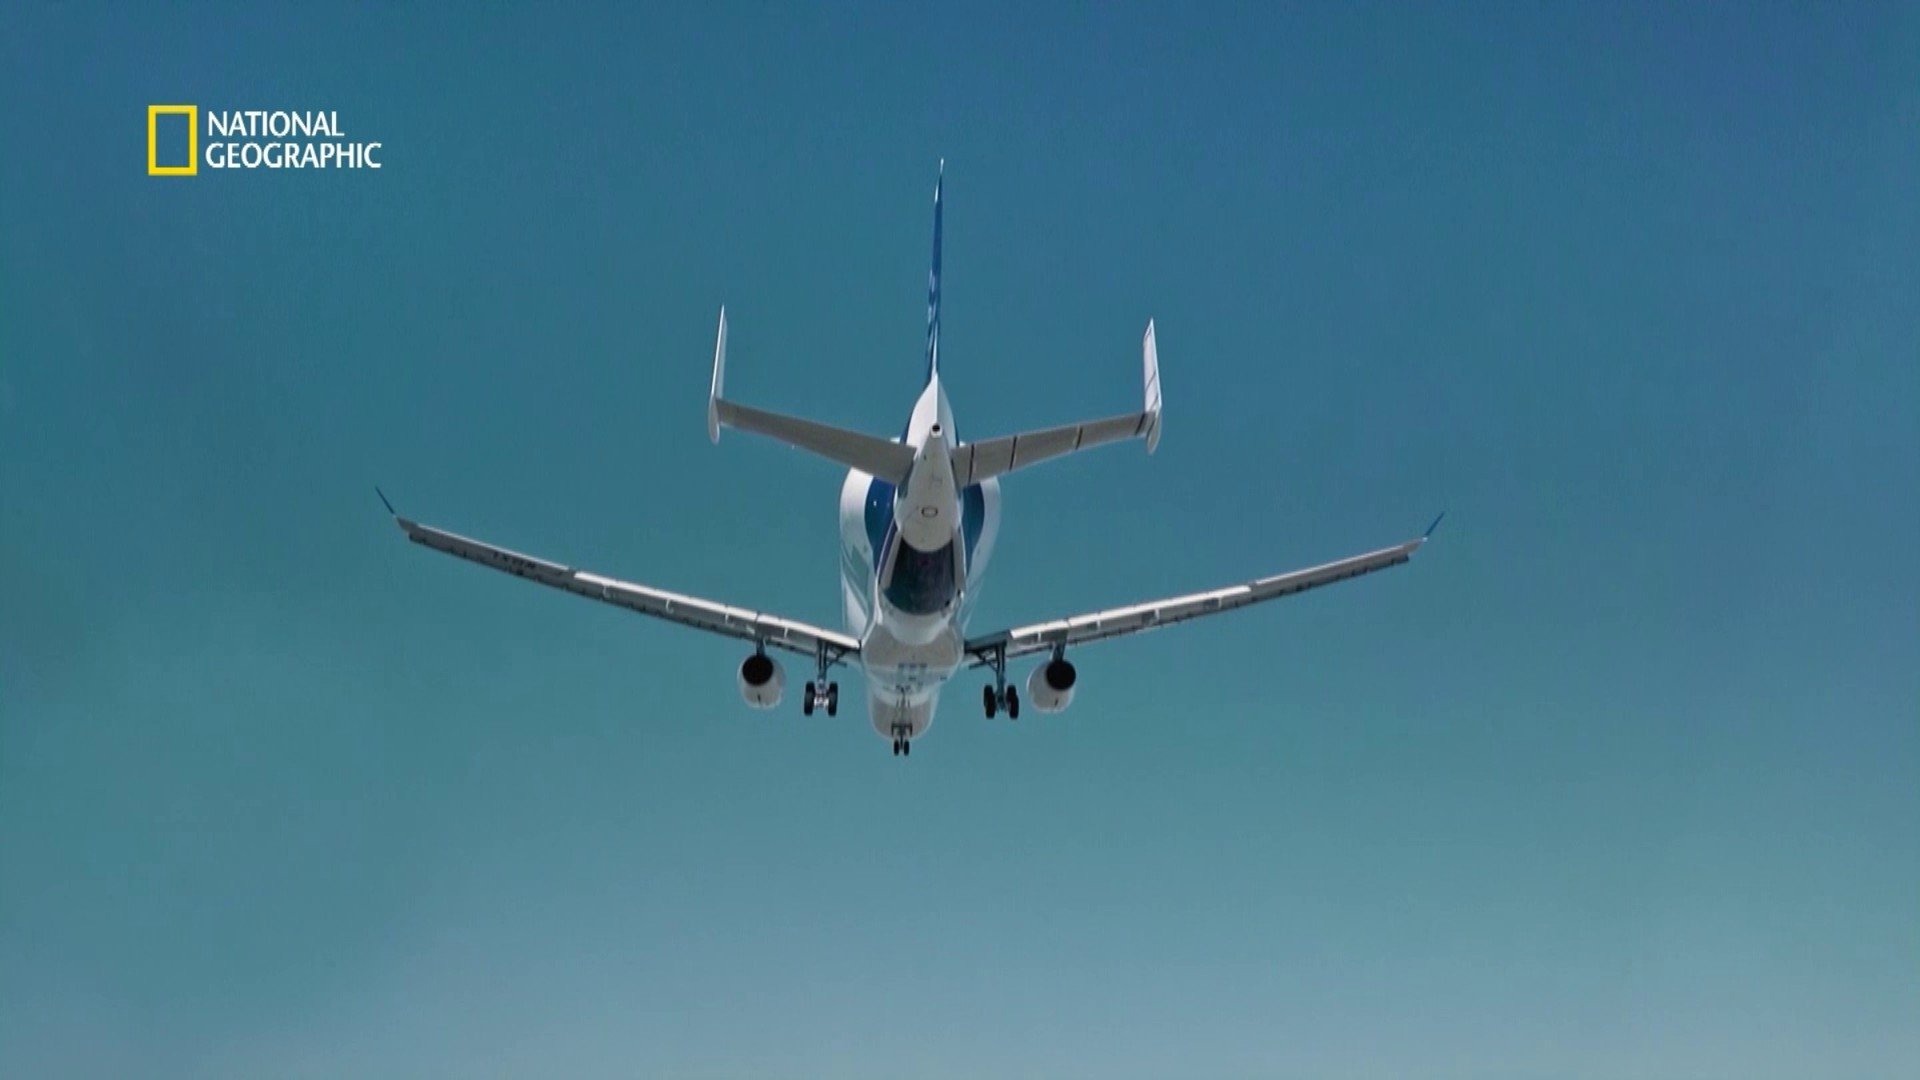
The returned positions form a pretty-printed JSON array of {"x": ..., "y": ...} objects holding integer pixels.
[
  {"x": 1050, "y": 687},
  {"x": 761, "y": 681}
]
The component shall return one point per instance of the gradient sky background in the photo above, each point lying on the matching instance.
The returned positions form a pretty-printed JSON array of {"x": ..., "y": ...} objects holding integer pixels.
[{"x": 1621, "y": 778}]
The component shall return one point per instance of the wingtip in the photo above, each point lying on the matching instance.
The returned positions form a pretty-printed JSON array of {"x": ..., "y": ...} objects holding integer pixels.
[
  {"x": 384, "y": 502},
  {"x": 1436, "y": 524}
]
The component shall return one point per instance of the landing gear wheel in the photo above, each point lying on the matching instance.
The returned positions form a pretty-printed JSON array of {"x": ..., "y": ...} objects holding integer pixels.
[
  {"x": 986, "y": 698},
  {"x": 896, "y": 748},
  {"x": 1013, "y": 703},
  {"x": 806, "y": 702},
  {"x": 906, "y": 747},
  {"x": 833, "y": 699}
]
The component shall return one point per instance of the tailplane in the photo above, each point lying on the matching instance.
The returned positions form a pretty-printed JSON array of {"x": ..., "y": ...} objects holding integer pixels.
[
  {"x": 974, "y": 462},
  {"x": 888, "y": 460}
]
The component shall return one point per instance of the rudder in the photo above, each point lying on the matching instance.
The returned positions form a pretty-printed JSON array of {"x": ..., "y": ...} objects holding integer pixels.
[{"x": 933, "y": 282}]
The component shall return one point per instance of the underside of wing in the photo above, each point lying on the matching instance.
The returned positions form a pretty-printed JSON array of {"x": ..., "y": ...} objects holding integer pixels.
[
  {"x": 745, "y": 624},
  {"x": 1099, "y": 625}
]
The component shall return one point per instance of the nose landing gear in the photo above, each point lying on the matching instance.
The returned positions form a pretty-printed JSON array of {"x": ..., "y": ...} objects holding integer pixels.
[{"x": 902, "y": 740}]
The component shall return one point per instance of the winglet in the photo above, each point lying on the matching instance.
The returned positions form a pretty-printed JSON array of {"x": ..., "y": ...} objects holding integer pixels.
[
  {"x": 405, "y": 525},
  {"x": 719, "y": 378},
  {"x": 1150, "y": 359},
  {"x": 1435, "y": 525}
]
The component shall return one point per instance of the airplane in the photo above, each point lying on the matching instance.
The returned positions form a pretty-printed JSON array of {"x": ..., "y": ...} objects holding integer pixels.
[{"x": 918, "y": 518}]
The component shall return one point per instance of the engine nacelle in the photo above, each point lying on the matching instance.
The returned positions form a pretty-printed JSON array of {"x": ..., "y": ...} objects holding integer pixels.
[
  {"x": 1050, "y": 687},
  {"x": 761, "y": 681}
]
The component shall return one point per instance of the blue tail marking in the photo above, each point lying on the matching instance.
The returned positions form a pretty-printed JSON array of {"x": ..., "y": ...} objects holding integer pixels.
[{"x": 933, "y": 282}]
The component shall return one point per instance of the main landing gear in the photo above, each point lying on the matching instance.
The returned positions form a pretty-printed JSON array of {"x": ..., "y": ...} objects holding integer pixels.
[
  {"x": 999, "y": 696},
  {"x": 820, "y": 691}
]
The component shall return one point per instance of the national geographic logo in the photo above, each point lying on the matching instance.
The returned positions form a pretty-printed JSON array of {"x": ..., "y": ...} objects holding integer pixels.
[{"x": 249, "y": 139}]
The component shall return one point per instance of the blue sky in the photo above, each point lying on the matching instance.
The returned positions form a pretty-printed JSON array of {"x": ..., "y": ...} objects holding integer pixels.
[{"x": 1620, "y": 778}]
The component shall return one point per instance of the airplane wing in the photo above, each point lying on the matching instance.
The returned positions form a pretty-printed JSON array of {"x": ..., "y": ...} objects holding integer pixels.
[
  {"x": 1081, "y": 629},
  {"x": 742, "y": 623}
]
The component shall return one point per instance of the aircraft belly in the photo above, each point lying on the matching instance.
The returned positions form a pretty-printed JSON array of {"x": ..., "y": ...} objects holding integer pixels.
[
  {"x": 904, "y": 678},
  {"x": 893, "y": 715}
]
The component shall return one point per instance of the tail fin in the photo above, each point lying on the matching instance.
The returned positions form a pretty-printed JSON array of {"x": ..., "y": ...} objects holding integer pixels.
[
  {"x": 719, "y": 378},
  {"x": 1150, "y": 359},
  {"x": 933, "y": 282}
]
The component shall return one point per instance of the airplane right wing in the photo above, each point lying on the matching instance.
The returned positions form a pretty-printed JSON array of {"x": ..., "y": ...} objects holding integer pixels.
[{"x": 1099, "y": 625}]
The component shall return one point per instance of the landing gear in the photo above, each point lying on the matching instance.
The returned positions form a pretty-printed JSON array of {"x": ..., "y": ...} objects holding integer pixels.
[
  {"x": 902, "y": 741},
  {"x": 999, "y": 696},
  {"x": 824, "y": 694},
  {"x": 820, "y": 691}
]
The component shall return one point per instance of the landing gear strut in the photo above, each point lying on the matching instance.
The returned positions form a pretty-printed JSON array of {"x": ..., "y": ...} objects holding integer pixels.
[
  {"x": 820, "y": 691},
  {"x": 999, "y": 695}
]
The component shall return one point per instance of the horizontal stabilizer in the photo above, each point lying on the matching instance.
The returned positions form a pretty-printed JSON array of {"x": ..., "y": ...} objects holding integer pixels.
[
  {"x": 870, "y": 454},
  {"x": 974, "y": 462}
]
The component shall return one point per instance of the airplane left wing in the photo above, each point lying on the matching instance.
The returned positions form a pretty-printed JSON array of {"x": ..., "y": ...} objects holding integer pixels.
[
  {"x": 742, "y": 623},
  {"x": 1081, "y": 629}
]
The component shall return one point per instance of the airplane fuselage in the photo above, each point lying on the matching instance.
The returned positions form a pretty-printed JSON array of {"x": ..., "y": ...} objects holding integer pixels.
[{"x": 911, "y": 561}]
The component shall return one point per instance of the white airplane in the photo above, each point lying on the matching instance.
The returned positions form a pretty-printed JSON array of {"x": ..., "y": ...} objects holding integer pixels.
[{"x": 918, "y": 517}]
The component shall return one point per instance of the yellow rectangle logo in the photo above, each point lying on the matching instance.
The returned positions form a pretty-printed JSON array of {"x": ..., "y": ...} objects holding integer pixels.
[{"x": 192, "y": 113}]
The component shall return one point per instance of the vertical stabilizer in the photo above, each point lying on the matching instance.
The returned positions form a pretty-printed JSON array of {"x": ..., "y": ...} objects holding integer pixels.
[
  {"x": 719, "y": 378},
  {"x": 1150, "y": 360},
  {"x": 933, "y": 282}
]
